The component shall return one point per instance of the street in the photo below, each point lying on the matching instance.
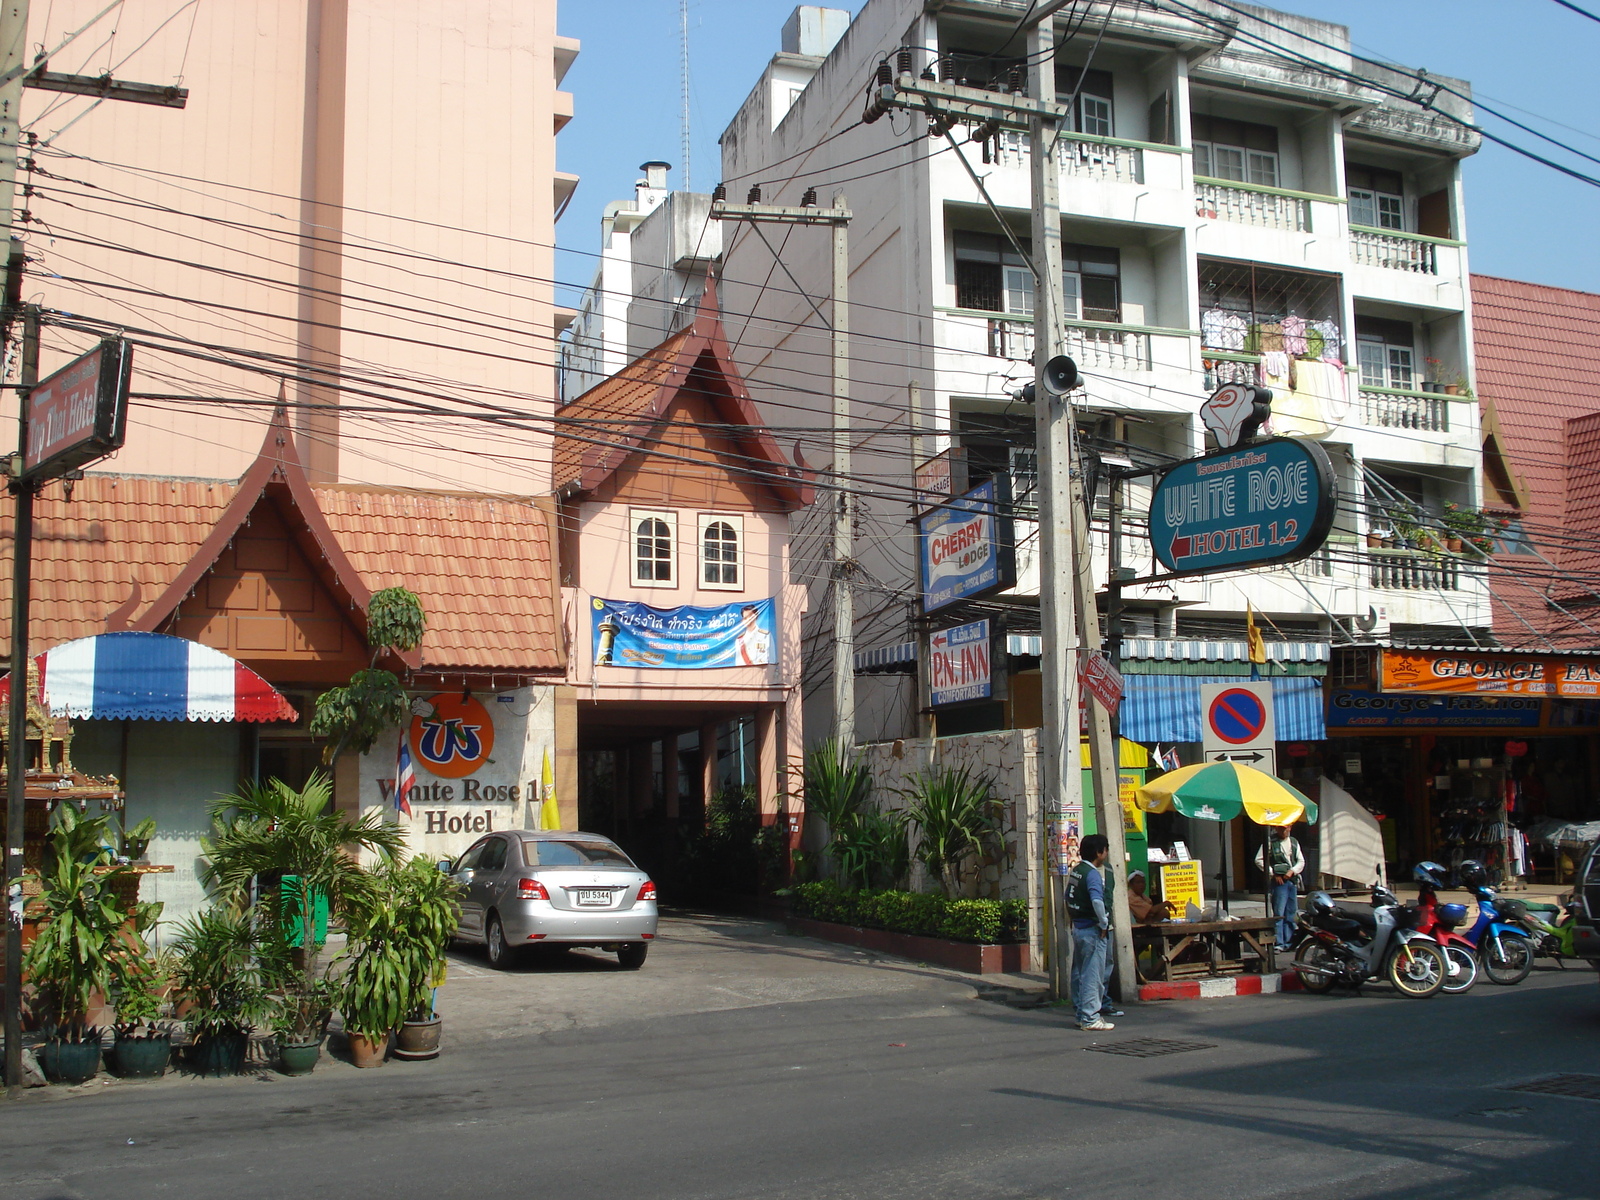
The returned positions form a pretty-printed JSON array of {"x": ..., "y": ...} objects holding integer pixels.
[{"x": 741, "y": 1062}]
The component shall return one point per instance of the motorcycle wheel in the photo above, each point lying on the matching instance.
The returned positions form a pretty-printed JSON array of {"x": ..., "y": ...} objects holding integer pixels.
[
  {"x": 1417, "y": 969},
  {"x": 1512, "y": 964},
  {"x": 1465, "y": 963},
  {"x": 1314, "y": 953}
]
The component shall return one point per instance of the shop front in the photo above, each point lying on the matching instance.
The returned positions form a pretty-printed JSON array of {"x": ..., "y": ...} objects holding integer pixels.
[{"x": 1493, "y": 756}]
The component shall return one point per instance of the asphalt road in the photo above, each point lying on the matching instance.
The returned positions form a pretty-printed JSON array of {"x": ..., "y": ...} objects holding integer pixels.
[{"x": 884, "y": 1080}]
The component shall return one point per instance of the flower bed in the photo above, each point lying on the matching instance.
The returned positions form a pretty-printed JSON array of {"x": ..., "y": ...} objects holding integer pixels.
[{"x": 985, "y": 922}]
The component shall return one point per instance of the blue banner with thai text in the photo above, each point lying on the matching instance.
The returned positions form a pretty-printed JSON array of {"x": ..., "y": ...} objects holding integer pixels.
[{"x": 629, "y": 634}]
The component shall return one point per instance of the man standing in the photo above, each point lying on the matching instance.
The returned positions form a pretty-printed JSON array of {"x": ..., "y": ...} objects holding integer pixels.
[
  {"x": 1088, "y": 906},
  {"x": 1286, "y": 864}
]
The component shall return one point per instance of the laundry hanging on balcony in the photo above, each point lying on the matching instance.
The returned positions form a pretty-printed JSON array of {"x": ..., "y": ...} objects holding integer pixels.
[{"x": 151, "y": 677}]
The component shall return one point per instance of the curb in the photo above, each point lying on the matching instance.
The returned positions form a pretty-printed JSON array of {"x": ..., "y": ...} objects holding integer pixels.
[{"x": 1220, "y": 987}]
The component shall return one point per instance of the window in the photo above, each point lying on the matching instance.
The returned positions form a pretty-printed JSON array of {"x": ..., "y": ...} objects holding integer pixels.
[
  {"x": 1091, "y": 109},
  {"x": 1250, "y": 309},
  {"x": 1237, "y": 150},
  {"x": 720, "y": 538},
  {"x": 992, "y": 277},
  {"x": 1514, "y": 539},
  {"x": 1093, "y": 283},
  {"x": 653, "y": 555},
  {"x": 1377, "y": 197},
  {"x": 544, "y": 852},
  {"x": 494, "y": 855},
  {"x": 1386, "y": 353}
]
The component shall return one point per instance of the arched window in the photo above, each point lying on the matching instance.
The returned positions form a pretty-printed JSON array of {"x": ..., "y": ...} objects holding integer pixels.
[
  {"x": 719, "y": 553},
  {"x": 652, "y": 548}
]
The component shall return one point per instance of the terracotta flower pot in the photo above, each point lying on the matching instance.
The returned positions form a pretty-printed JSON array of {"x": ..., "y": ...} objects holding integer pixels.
[
  {"x": 1453, "y": 545},
  {"x": 368, "y": 1052}
]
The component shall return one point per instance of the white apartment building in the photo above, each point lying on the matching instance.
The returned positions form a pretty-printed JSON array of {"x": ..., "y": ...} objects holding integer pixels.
[
  {"x": 655, "y": 253},
  {"x": 1229, "y": 211}
]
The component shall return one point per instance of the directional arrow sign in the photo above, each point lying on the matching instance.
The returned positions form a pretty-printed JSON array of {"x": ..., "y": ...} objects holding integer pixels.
[{"x": 1261, "y": 760}]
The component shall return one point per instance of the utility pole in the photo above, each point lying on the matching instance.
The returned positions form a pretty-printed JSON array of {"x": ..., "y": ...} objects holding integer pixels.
[
  {"x": 17, "y": 734},
  {"x": 844, "y": 620},
  {"x": 1069, "y": 621}
]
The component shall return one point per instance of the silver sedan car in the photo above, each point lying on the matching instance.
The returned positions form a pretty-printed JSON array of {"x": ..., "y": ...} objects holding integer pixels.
[{"x": 529, "y": 887}]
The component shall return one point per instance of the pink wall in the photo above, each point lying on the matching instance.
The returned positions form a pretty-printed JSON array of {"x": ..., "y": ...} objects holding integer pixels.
[{"x": 412, "y": 128}]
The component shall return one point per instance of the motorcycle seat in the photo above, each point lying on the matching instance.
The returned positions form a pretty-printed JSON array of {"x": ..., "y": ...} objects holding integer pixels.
[
  {"x": 1363, "y": 918},
  {"x": 1553, "y": 910}
]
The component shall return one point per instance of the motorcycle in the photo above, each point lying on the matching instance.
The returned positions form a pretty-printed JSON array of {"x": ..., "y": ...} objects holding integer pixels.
[
  {"x": 1505, "y": 951},
  {"x": 1352, "y": 946},
  {"x": 1551, "y": 926},
  {"x": 1441, "y": 922}
]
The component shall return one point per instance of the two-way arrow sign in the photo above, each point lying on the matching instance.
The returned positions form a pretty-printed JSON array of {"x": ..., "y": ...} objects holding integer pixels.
[{"x": 1261, "y": 760}]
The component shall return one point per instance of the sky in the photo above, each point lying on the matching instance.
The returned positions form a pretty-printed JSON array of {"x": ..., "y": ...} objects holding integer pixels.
[{"x": 1524, "y": 220}]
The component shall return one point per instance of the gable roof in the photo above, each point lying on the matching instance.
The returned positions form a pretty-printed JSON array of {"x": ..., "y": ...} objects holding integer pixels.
[
  {"x": 620, "y": 417},
  {"x": 125, "y": 551}
]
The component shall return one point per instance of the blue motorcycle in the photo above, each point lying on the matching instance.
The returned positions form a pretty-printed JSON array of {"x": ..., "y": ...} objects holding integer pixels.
[{"x": 1504, "y": 948}]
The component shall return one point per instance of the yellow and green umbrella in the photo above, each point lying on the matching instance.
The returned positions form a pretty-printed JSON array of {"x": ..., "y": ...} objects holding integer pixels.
[{"x": 1221, "y": 791}]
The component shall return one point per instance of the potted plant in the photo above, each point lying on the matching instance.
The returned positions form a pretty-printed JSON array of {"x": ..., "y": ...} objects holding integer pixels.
[
  {"x": 1376, "y": 536},
  {"x": 956, "y": 816},
  {"x": 398, "y": 935},
  {"x": 1463, "y": 524},
  {"x": 270, "y": 831},
  {"x": 136, "y": 841},
  {"x": 88, "y": 946},
  {"x": 142, "y": 1047},
  {"x": 426, "y": 898},
  {"x": 220, "y": 978},
  {"x": 1432, "y": 373}
]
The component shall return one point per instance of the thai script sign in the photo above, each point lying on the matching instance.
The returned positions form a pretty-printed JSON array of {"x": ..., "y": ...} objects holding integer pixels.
[
  {"x": 1255, "y": 505},
  {"x": 966, "y": 547},
  {"x": 959, "y": 663},
  {"x": 630, "y": 634},
  {"x": 1354, "y": 709},
  {"x": 80, "y": 413},
  {"x": 1489, "y": 673}
]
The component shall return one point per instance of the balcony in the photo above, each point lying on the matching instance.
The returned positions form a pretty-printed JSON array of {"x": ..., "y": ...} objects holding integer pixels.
[
  {"x": 1413, "y": 571},
  {"x": 1254, "y": 204},
  {"x": 1396, "y": 251},
  {"x": 1085, "y": 156},
  {"x": 1097, "y": 347},
  {"x": 1394, "y": 408}
]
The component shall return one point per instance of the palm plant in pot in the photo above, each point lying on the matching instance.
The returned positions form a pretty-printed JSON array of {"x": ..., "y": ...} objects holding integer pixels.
[
  {"x": 957, "y": 819},
  {"x": 267, "y": 832},
  {"x": 89, "y": 945},
  {"x": 396, "y": 949},
  {"x": 223, "y": 986},
  {"x": 142, "y": 1047}
]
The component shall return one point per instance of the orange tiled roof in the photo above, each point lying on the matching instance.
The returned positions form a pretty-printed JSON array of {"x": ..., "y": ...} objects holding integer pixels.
[
  {"x": 625, "y": 394},
  {"x": 482, "y": 567}
]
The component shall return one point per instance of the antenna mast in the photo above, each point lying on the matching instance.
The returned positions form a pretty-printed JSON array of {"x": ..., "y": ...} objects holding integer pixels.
[{"x": 683, "y": 74}]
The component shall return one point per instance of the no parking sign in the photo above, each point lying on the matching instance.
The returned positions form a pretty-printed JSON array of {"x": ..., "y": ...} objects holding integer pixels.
[{"x": 1237, "y": 722}]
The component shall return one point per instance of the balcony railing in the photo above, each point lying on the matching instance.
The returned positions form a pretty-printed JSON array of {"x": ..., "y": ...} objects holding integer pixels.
[
  {"x": 1413, "y": 571},
  {"x": 1085, "y": 156},
  {"x": 1396, "y": 251},
  {"x": 1096, "y": 347},
  {"x": 1253, "y": 204},
  {"x": 1393, "y": 408}
]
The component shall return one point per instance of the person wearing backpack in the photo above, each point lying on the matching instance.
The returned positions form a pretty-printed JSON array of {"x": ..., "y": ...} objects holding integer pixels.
[
  {"x": 1089, "y": 907},
  {"x": 1284, "y": 861}
]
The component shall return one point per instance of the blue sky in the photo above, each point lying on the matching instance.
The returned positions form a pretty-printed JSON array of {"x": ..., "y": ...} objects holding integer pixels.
[{"x": 1524, "y": 220}]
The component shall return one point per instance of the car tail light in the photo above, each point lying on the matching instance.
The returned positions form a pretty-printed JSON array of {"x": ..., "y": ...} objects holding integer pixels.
[
  {"x": 648, "y": 891},
  {"x": 531, "y": 889}
]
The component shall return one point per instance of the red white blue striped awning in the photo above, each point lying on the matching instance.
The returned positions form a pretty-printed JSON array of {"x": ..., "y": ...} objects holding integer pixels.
[{"x": 152, "y": 677}]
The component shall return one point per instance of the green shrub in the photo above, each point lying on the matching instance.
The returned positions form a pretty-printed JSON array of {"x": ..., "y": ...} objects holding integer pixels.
[{"x": 985, "y": 921}]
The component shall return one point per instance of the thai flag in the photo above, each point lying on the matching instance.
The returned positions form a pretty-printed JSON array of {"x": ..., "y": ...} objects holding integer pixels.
[
  {"x": 404, "y": 777},
  {"x": 1168, "y": 759}
]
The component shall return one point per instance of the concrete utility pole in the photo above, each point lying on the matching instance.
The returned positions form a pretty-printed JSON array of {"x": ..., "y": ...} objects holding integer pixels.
[{"x": 844, "y": 618}]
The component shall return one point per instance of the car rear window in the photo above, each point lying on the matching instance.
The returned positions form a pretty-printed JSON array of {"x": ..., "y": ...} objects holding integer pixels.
[{"x": 553, "y": 853}]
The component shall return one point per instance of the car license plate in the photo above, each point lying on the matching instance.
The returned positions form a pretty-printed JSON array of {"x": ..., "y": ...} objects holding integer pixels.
[{"x": 594, "y": 897}]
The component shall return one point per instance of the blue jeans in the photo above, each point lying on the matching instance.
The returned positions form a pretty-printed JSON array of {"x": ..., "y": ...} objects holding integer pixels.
[
  {"x": 1286, "y": 907},
  {"x": 1090, "y": 962}
]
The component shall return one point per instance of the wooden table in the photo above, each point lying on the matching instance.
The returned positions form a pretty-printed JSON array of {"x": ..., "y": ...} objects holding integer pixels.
[{"x": 1223, "y": 948}]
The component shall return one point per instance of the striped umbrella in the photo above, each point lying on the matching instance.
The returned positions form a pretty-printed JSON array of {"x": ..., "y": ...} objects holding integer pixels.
[{"x": 1221, "y": 791}]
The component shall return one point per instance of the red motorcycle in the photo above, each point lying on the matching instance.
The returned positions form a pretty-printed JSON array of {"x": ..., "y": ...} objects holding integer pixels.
[{"x": 1440, "y": 922}]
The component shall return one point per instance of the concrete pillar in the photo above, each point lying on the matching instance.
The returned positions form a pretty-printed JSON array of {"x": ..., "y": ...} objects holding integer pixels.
[
  {"x": 669, "y": 774},
  {"x": 566, "y": 754},
  {"x": 767, "y": 760},
  {"x": 708, "y": 764},
  {"x": 793, "y": 751},
  {"x": 641, "y": 778}
]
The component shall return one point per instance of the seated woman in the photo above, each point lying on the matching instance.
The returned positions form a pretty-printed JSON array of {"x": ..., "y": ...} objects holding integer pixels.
[{"x": 1145, "y": 910}]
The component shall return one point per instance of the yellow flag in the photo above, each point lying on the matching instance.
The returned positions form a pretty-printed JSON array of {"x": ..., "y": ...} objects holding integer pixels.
[
  {"x": 549, "y": 811},
  {"x": 1252, "y": 636}
]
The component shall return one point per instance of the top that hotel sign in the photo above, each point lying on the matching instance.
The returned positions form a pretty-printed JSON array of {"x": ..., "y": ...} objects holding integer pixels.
[
  {"x": 966, "y": 547},
  {"x": 78, "y": 414}
]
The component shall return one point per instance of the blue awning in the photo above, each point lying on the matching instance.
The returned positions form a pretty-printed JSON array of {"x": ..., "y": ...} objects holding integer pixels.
[
  {"x": 900, "y": 658},
  {"x": 1166, "y": 708}
]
